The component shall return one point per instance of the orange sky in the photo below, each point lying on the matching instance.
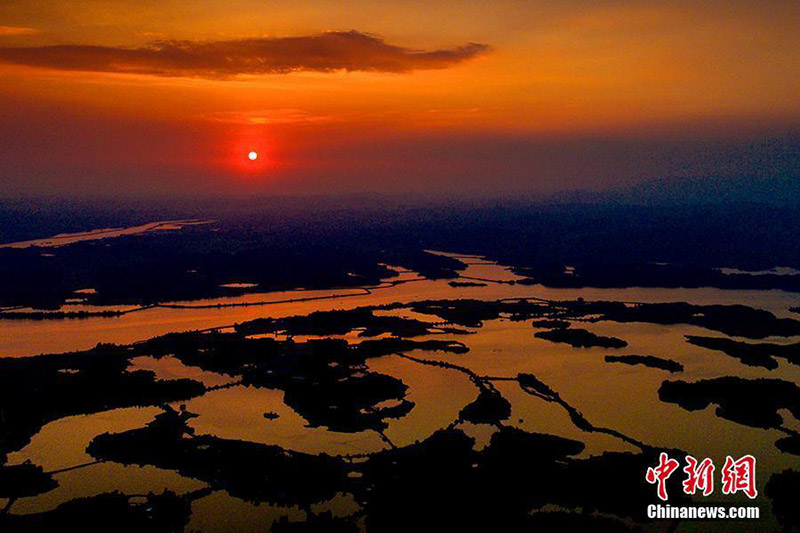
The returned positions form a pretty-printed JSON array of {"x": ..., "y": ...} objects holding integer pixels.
[{"x": 396, "y": 96}]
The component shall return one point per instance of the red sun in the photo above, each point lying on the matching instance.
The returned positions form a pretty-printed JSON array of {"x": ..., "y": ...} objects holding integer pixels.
[{"x": 249, "y": 156}]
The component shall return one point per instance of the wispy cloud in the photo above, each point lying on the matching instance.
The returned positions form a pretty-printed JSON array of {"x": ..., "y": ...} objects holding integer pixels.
[
  {"x": 267, "y": 116},
  {"x": 15, "y": 30},
  {"x": 325, "y": 52}
]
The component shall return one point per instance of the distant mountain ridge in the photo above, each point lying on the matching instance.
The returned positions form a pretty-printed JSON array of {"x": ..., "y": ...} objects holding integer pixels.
[{"x": 781, "y": 191}]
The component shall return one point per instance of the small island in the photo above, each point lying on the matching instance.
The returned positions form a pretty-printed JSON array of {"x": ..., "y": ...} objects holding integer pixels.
[
  {"x": 580, "y": 338},
  {"x": 646, "y": 360}
]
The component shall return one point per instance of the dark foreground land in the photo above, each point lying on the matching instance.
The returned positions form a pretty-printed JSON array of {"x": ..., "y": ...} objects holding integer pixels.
[
  {"x": 277, "y": 244},
  {"x": 520, "y": 481},
  {"x": 506, "y": 484}
]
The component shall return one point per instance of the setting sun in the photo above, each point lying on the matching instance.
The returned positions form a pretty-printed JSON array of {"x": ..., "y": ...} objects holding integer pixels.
[{"x": 252, "y": 156}]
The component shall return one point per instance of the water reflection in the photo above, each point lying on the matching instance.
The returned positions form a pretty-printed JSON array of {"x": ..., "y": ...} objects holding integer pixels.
[{"x": 609, "y": 395}]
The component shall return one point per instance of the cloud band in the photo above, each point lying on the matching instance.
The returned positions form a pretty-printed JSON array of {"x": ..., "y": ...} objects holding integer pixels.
[{"x": 325, "y": 52}]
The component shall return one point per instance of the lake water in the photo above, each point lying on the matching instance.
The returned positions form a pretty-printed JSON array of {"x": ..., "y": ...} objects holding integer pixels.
[
  {"x": 610, "y": 395},
  {"x": 62, "y": 239}
]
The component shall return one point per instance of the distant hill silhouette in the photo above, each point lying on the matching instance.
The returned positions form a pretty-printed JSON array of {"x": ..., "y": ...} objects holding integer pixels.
[{"x": 778, "y": 190}]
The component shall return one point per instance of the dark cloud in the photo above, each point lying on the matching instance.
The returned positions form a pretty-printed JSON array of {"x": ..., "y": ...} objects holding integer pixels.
[{"x": 325, "y": 52}]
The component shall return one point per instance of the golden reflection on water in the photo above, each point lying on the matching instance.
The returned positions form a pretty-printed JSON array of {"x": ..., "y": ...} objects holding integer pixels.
[
  {"x": 614, "y": 395},
  {"x": 20, "y": 338},
  {"x": 238, "y": 413},
  {"x": 239, "y": 515},
  {"x": 62, "y": 444},
  {"x": 62, "y": 239}
]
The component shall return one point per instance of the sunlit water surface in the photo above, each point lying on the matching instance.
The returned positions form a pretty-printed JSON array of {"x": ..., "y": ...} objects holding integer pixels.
[{"x": 612, "y": 395}]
